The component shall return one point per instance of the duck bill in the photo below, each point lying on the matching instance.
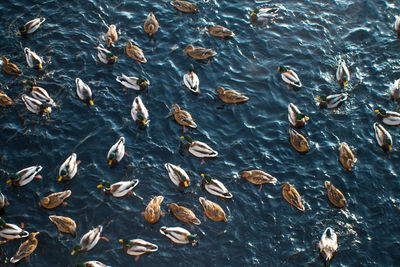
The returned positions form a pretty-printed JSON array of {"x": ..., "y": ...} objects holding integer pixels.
[
  {"x": 344, "y": 83},
  {"x": 144, "y": 121},
  {"x": 91, "y": 102},
  {"x": 253, "y": 13},
  {"x": 18, "y": 32},
  {"x": 318, "y": 98},
  {"x": 40, "y": 66},
  {"x": 306, "y": 118},
  {"x": 376, "y": 111},
  {"x": 110, "y": 162},
  {"x": 185, "y": 183},
  {"x": 100, "y": 186},
  {"x": 9, "y": 181},
  {"x": 60, "y": 178},
  {"x": 390, "y": 147},
  {"x": 73, "y": 252}
]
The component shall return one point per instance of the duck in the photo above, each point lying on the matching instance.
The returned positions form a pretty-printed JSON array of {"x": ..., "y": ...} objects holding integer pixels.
[
  {"x": 25, "y": 176},
  {"x": 91, "y": 264},
  {"x": 135, "y": 52},
  {"x": 89, "y": 240},
  {"x": 220, "y": 31},
  {"x": 215, "y": 187},
  {"x": 383, "y": 137},
  {"x": 397, "y": 25},
  {"x": 296, "y": 118},
  {"x": 119, "y": 189},
  {"x": 328, "y": 244},
  {"x": 55, "y": 199},
  {"x": 138, "y": 247},
  {"x": 213, "y": 210},
  {"x": 290, "y": 77},
  {"x": 36, "y": 106},
  {"x": 5, "y": 100},
  {"x": 185, "y": 6},
  {"x": 116, "y": 152},
  {"x": 183, "y": 214},
  {"x": 83, "y": 91},
  {"x": 134, "y": 83},
  {"x": 332, "y": 101},
  {"x": 342, "y": 72},
  {"x": 3, "y": 201},
  {"x": 68, "y": 169},
  {"x": 139, "y": 112},
  {"x": 334, "y": 195},
  {"x": 26, "y": 248},
  {"x": 111, "y": 35},
  {"x": 64, "y": 224},
  {"x": 177, "y": 175},
  {"x": 105, "y": 56},
  {"x": 40, "y": 94},
  {"x": 230, "y": 96},
  {"x": 34, "y": 61},
  {"x": 153, "y": 211},
  {"x": 388, "y": 117},
  {"x": 346, "y": 156},
  {"x": 200, "y": 149},
  {"x": 394, "y": 90},
  {"x": 10, "y": 68},
  {"x": 298, "y": 141},
  {"x": 264, "y": 14},
  {"x": 179, "y": 235},
  {"x": 191, "y": 80},
  {"x": 151, "y": 24},
  {"x": 183, "y": 117},
  {"x": 11, "y": 231},
  {"x": 291, "y": 195},
  {"x": 199, "y": 52},
  {"x": 258, "y": 177},
  {"x": 31, "y": 26}
]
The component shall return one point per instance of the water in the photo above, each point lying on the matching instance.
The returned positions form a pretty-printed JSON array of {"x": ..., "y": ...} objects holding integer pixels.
[{"x": 263, "y": 229}]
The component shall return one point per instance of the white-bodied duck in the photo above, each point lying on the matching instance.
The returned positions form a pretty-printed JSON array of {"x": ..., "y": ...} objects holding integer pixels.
[
  {"x": 32, "y": 59},
  {"x": 68, "y": 169},
  {"x": 179, "y": 235},
  {"x": 383, "y": 137},
  {"x": 83, "y": 91},
  {"x": 139, "y": 112},
  {"x": 191, "y": 80},
  {"x": 177, "y": 175},
  {"x": 116, "y": 152},
  {"x": 296, "y": 117},
  {"x": 25, "y": 176},
  {"x": 134, "y": 83},
  {"x": 31, "y": 26},
  {"x": 215, "y": 187}
]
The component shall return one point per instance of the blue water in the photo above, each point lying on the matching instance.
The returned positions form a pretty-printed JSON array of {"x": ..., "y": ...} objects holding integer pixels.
[{"x": 262, "y": 229}]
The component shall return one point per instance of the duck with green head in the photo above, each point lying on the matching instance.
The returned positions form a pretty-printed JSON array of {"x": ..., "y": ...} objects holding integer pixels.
[
  {"x": 215, "y": 187},
  {"x": 290, "y": 77},
  {"x": 296, "y": 117},
  {"x": 332, "y": 101},
  {"x": 199, "y": 149},
  {"x": 105, "y": 56},
  {"x": 116, "y": 152},
  {"x": 191, "y": 80},
  {"x": 68, "y": 169},
  {"x": 342, "y": 72},
  {"x": 388, "y": 117},
  {"x": 31, "y": 26},
  {"x": 36, "y": 106},
  {"x": 139, "y": 112},
  {"x": 32, "y": 59},
  {"x": 25, "y": 176},
  {"x": 138, "y": 247},
  {"x": 91, "y": 264},
  {"x": 89, "y": 240},
  {"x": 177, "y": 175},
  {"x": 120, "y": 189},
  {"x": 383, "y": 137},
  {"x": 179, "y": 235},
  {"x": 83, "y": 91},
  {"x": 11, "y": 231},
  {"x": 264, "y": 14},
  {"x": 134, "y": 83}
]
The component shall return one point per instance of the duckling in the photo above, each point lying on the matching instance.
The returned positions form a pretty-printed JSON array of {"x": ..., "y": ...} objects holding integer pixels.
[
  {"x": 31, "y": 26},
  {"x": 334, "y": 195},
  {"x": 328, "y": 244},
  {"x": 264, "y": 14},
  {"x": 191, "y": 80},
  {"x": 68, "y": 169},
  {"x": 185, "y": 6},
  {"x": 215, "y": 187},
  {"x": 290, "y": 77},
  {"x": 5, "y": 100},
  {"x": 83, "y": 91},
  {"x": 388, "y": 117},
  {"x": 332, "y": 101},
  {"x": 54, "y": 200},
  {"x": 298, "y": 141},
  {"x": 151, "y": 24},
  {"x": 230, "y": 96},
  {"x": 291, "y": 195},
  {"x": 139, "y": 112},
  {"x": 10, "y": 68},
  {"x": 135, "y": 52},
  {"x": 36, "y": 106},
  {"x": 296, "y": 117},
  {"x": 137, "y": 247},
  {"x": 64, "y": 224},
  {"x": 153, "y": 211},
  {"x": 200, "y": 149},
  {"x": 134, "y": 83},
  {"x": 105, "y": 56},
  {"x": 26, "y": 248},
  {"x": 183, "y": 214},
  {"x": 89, "y": 240},
  {"x": 346, "y": 156},
  {"x": 258, "y": 177},
  {"x": 25, "y": 176},
  {"x": 199, "y": 52},
  {"x": 41, "y": 94},
  {"x": 394, "y": 90},
  {"x": 177, "y": 175},
  {"x": 119, "y": 189},
  {"x": 220, "y": 31},
  {"x": 179, "y": 235},
  {"x": 111, "y": 35},
  {"x": 183, "y": 117},
  {"x": 34, "y": 61},
  {"x": 3, "y": 201},
  {"x": 116, "y": 152},
  {"x": 213, "y": 210},
  {"x": 383, "y": 137},
  {"x": 397, "y": 25},
  {"x": 11, "y": 231},
  {"x": 91, "y": 264},
  {"x": 342, "y": 72}
]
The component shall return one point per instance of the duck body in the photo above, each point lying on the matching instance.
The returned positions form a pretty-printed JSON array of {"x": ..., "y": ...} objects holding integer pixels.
[
  {"x": 31, "y": 26},
  {"x": 83, "y": 91},
  {"x": 151, "y": 24},
  {"x": 178, "y": 235},
  {"x": 32, "y": 59},
  {"x": 328, "y": 244},
  {"x": 139, "y": 112},
  {"x": 25, "y": 176},
  {"x": 3, "y": 201},
  {"x": 296, "y": 118},
  {"x": 135, "y": 52},
  {"x": 137, "y": 247},
  {"x": 332, "y": 101},
  {"x": 185, "y": 6},
  {"x": 258, "y": 177},
  {"x": 264, "y": 14},
  {"x": 177, "y": 175},
  {"x": 120, "y": 189},
  {"x": 88, "y": 240},
  {"x": 199, "y": 52},
  {"x": 342, "y": 72},
  {"x": 41, "y": 94},
  {"x": 183, "y": 117},
  {"x": 335, "y": 196},
  {"x": 298, "y": 141},
  {"x": 191, "y": 81},
  {"x": 10, "y": 68},
  {"x": 153, "y": 211},
  {"x": 11, "y": 231},
  {"x": 183, "y": 214},
  {"x": 111, "y": 35},
  {"x": 105, "y": 56},
  {"x": 35, "y": 106},
  {"x": 290, "y": 77},
  {"x": 397, "y": 24},
  {"x": 200, "y": 149},
  {"x": 383, "y": 137},
  {"x": 215, "y": 187},
  {"x": 346, "y": 156},
  {"x": 388, "y": 117},
  {"x": 68, "y": 169},
  {"x": 5, "y": 100},
  {"x": 213, "y": 210},
  {"x": 26, "y": 248},
  {"x": 134, "y": 83},
  {"x": 54, "y": 200},
  {"x": 64, "y": 224},
  {"x": 291, "y": 195},
  {"x": 91, "y": 264},
  {"x": 394, "y": 90},
  {"x": 116, "y": 152},
  {"x": 220, "y": 31},
  {"x": 230, "y": 96}
]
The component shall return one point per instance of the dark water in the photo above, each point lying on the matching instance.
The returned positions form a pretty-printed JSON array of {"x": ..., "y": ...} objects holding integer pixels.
[{"x": 263, "y": 229}]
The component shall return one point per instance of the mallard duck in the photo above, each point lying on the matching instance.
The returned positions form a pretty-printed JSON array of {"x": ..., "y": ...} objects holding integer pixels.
[
  {"x": 133, "y": 82},
  {"x": 230, "y": 96},
  {"x": 36, "y": 106},
  {"x": 41, "y": 94},
  {"x": 342, "y": 72},
  {"x": 290, "y": 77},
  {"x": 91, "y": 264},
  {"x": 26, "y": 248},
  {"x": 10, "y": 68},
  {"x": 83, "y": 91},
  {"x": 220, "y": 31},
  {"x": 185, "y": 6},
  {"x": 153, "y": 211},
  {"x": 55, "y": 199},
  {"x": 177, "y": 175},
  {"x": 200, "y": 149},
  {"x": 25, "y": 176},
  {"x": 383, "y": 137},
  {"x": 111, "y": 35},
  {"x": 135, "y": 52},
  {"x": 137, "y": 247},
  {"x": 199, "y": 52},
  {"x": 11, "y": 231},
  {"x": 179, "y": 235},
  {"x": 258, "y": 177},
  {"x": 394, "y": 90},
  {"x": 89, "y": 240},
  {"x": 215, "y": 187},
  {"x": 105, "y": 56},
  {"x": 298, "y": 141},
  {"x": 334, "y": 195},
  {"x": 3, "y": 201},
  {"x": 31, "y": 26},
  {"x": 296, "y": 117},
  {"x": 68, "y": 169},
  {"x": 64, "y": 224},
  {"x": 397, "y": 25},
  {"x": 332, "y": 101},
  {"x": 139, "y": 112},
  {"x": 33, "y": 60},
  {"x": 183, "y": 214},
  {"x": 151, "y": 24},
  {"x": 213, "y": 210},
  {"x": 119, "y": 189},
  {"x": 5, "y": 100},
  {"x": 328, "y": 244},
  {"x": 264, "y": 14},
  {"x": 291, "y": 195},
  {"x": 191, "y": 80},
  {"x": 388, "y": 117},
  {"x": 183, "y": 117},
  {"x": 346, "y": 156},
  {"x": 116, "y": 152}
]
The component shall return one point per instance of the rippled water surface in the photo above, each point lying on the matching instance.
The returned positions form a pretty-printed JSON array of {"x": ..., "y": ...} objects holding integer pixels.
[{"x": 262, "y": 228}]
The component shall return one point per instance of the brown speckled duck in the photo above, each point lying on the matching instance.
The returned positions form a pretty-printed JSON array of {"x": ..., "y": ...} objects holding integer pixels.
[
  {"x": 153, "y": 211},
  {"x": 183, "y": 117},
  {"x": 258, "y": 177},
  {"x": 151, "y": 24},
  {"x": 183, "y": 214},
  {"x": 10, "y": 68},
  {"x": 347, "y": 157},
  {"x": 298, "y": 141},
  {"x": 213, "y": 210},
  {"x": 230, "y": 96},
  {"x": 220, "y": 31},
  {"x": 135, "y": 52},
  {"x": 54, "y": 200},
  {"x": 184, "y": 6},
  {"x": 291, "y": 195},
  {"x": 64, "y": 224},
  {"x": 335, "y": 196},
  {"x": 199, "y": 52},
  {"x": 26, "y": 248}
]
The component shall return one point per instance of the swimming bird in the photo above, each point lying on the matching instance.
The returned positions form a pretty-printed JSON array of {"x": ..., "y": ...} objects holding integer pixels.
[
  {"x": 135, "y": 52},
  {"x": 220, "y": 31},
  {"x": 185, "y": 6},
  {"x": 191, "y": 80},
  {"x": 83, "y": 91},
  {"x": 11, "y": 231},
  {"x": 230, "y": 96},
  {"x": 183, "y": 117},
  {"x": 36, "y": 106},
  {"x": 291, "y": 195},
  {"x": 347, "y": 157},
  {"x": 111, "y": 35},
  {"x": 89, "y": 240},
  {"x": 199, "y": 52},
  {"x": 31, "y": 26},
  {"x": 342, "y": 72},
  {"x": 328, "y": 244},
  {"x": 213, "y": 210},
  {"x": 183, "y": 214},
  {"x": 335, "y": 196},
  {"x": 91, "y": 264},
  {"x": 215, "y": 187},
  {"x": 179, "y": 235},
  {"x": 200, "y": 149},
  {"x": 32, "y": 59},
  {"x": 134, "y": 83},
  {"x": 383, "y": 137},
  {"x": 153, "y": 210},
  {"x": 332, "y": 101},
  {"x": 3, "y": 201},
  {"x": 296, "y": 117},
  {"x": 290, "y": 77},
  {"x": 397, "y": 25},
  {"x": 120, "y": 189},
  {"x": 258, "y": 177},
  {"x": 139, "y": 112},
  {"x": 5, "y": 100},
  {"x": 25, "y": 176},
  {"x": 388, "y": 117},
  {"x": 10, "y": 68},
  {"x": 138, "y": 247},
  {"x": 177, "y": 175},
  {"x": 40, "y": 94},
  {"x": 298, "y": 141},
  {"x": 68, "y": 169},
  {"x": 264, "y": 14},
  {"x": 55, "y": 199},
  {"x": 105, "y": 56},
  {"x": 116, "y": 152},
  {"x": 151, "y": 24},
  {"x": 394, "y": 90},
  {"x": 26, "y": 248},
  {"x": 64, "y": 224}
]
